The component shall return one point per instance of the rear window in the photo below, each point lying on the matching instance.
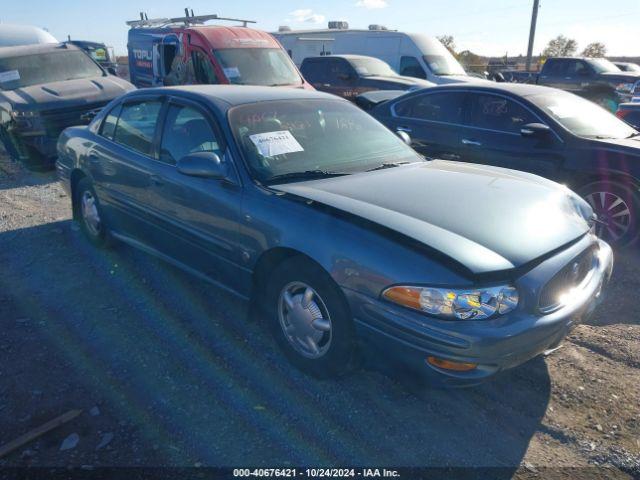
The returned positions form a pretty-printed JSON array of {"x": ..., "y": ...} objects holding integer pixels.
[
  {"x": 435, "y": 107},
  {"x": 53, "y": 66}
]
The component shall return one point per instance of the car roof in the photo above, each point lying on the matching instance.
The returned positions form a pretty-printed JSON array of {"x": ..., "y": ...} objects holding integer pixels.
[
  {"x": 345, "y": 56},
  {"x": 519, "y": 89},
  {"x": 22, "y": 50},
  {"x": 227, "y": 96}
]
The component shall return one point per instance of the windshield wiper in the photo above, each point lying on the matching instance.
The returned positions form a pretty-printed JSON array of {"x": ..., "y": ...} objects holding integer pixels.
[
  {"x": 307, "y": 174},
  {"x": 387, "y": 165}
]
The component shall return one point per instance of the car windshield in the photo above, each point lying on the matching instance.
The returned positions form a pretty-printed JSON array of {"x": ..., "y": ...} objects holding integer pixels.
[
  {"x": 285, "y": 138},
  {"x": 582, "y": 117},
  {"x": 368, "y": 67},
  {"x": 630, "y": 67},
  {"x": 444, "y": 65},
  {"x": 36, "y": 69},
  {"x": 602, "y": 65},
  {"x": 258, "y": 66}
]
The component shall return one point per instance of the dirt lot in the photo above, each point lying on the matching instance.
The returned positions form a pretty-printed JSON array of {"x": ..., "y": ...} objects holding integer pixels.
[{"x": 167, "y": 371}]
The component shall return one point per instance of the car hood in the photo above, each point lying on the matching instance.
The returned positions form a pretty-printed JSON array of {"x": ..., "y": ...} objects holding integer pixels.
[
  {"x": 398, "y": 80},
  {"x": 621, "y": 76},
  {"x": 628, "y": 146},
  {"x": 486, "y": 218},
  {"x": 67, "y": 93}
]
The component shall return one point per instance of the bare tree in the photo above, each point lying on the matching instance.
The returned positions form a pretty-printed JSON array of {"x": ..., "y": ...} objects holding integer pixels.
[
  {"x": 449, "y": 42},
  {"x": 560, "y": 46},
  {"x": 595, "y": 49}
]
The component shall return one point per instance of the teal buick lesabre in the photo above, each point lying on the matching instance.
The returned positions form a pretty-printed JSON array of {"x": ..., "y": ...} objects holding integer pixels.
[{"x": 340, "y": 232}]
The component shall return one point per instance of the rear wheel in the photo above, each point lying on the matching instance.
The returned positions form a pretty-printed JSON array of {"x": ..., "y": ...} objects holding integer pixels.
[
  {"x": 310, "y": 319},
  {"x": 617, "y": 208},
  {"x": 90, "y": 216}
]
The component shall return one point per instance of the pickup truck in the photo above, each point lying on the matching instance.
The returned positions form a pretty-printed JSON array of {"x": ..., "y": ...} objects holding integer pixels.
[{"x": 597, "y": 79}]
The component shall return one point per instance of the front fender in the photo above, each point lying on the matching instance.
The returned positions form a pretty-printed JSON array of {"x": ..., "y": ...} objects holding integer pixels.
[{"x": 356, "y": 255}]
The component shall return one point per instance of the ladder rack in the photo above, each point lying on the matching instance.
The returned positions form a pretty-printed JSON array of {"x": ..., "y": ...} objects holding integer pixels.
[{"x": 188, "y": 19}]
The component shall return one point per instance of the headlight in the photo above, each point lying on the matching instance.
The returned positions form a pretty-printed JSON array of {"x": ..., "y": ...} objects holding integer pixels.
[
  {"x": 456, "y": 304},
  {"x": 625, "y": 87}
]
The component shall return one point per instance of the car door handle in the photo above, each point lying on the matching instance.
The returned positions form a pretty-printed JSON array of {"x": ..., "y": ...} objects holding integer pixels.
[
  {"x": 404, "y": 129},
  {"x": 475, "y": 143},
  {"x": 156, "y": 180},
  {"x": 326, "y": 84}
]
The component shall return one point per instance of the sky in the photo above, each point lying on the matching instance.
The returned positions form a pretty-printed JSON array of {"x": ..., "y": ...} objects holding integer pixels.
[{"x": 486, "y": 27}]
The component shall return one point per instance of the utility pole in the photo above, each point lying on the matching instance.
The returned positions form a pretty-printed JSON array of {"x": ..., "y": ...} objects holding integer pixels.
[{"x": 532, "y": 32}]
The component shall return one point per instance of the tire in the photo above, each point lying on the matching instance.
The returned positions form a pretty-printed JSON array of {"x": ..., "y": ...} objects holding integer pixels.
[
  {"x": 9, "y": 144},
  {"x": 326, "y": 319},
  {"x": 617, "y": 207},
  {"x": 19, "y": 152},
  {"x": 94, "y": 228}
]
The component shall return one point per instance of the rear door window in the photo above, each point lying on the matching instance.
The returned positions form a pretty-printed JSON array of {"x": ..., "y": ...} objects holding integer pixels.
[
  {"x": 186, "y": 130},
  {"x": 446, "y": 107},
  {"x": 137, "y": 125},
  {"x": 499, "y": 113}
]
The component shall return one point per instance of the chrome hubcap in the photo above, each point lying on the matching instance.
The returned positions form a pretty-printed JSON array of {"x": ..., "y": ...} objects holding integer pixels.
[
  {"x": 304, "y": 319},
  {"x": 90, "y": 214},
  {"x": 614, "y": 215}
]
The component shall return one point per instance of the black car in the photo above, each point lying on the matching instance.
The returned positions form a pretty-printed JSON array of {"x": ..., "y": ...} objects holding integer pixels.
[
  {"x": 45, "y": 89},
  {"x": 350, "y": 75},
  {"x": 540, "y": 130},
  {"x": 630, "y": 113}
]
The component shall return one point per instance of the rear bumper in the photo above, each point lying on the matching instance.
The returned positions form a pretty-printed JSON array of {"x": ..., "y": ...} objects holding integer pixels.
[{"x": 405, "y": 338}]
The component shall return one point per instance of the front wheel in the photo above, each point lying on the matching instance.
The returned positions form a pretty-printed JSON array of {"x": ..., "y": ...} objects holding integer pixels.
[
  {"x": 617, "y": 208},
  {"x": 310, "y": 319}
]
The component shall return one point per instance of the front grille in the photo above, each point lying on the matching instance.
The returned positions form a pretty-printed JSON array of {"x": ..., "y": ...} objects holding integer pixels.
[
  {"x": 58, "y": 119},
  {"x": 571, "y": 276}
]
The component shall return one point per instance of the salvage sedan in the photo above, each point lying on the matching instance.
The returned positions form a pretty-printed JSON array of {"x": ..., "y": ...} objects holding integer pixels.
[{"x": 341, "y": 233}]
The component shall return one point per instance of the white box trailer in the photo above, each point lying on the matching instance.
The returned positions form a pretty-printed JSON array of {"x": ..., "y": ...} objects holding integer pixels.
[{"x": 411, "y": 54}]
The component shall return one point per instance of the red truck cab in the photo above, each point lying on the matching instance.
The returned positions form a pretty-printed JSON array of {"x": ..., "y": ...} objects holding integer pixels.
[{"x": 184, "y": 51}]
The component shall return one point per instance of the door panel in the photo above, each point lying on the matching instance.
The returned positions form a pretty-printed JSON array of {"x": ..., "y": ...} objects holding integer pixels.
[
  {"x": 434, "y": 123},
  {"x": 197, "y": 218},
  {"x": 493, "y": 137},
  {"x": 120, "y": 163}
]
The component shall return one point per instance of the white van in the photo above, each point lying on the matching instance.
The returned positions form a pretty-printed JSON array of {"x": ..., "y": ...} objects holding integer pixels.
[
  {"x": 14, "y": 35},
  {"x": 410, "y": 54}
]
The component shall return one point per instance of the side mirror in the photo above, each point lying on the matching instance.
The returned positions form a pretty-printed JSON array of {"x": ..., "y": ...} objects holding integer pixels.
[
  {"x": 584, "y": 73},
  {"x": 203, "y": 165},
  {"x": 535, "y": 130},
  {"x": 112, "y": 71},
  {"x": 404, "y": 136},
  {"x": 345, "y": 76}
]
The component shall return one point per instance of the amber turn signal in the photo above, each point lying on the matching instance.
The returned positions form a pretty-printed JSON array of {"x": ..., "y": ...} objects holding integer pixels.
[{"x": 451, "y": 365}]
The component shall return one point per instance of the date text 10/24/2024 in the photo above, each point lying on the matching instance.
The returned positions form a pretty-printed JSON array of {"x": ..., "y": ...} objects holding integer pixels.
[{"x": 316, "y": 472}]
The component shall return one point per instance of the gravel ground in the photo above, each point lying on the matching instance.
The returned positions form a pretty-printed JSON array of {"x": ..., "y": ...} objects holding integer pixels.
[{"x": 168, "y": 371}]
